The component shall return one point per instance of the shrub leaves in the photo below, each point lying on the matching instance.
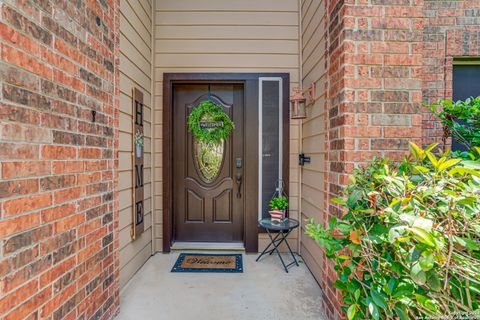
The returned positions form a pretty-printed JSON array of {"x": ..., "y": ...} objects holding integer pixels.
[{"x": 408, "y": 245}]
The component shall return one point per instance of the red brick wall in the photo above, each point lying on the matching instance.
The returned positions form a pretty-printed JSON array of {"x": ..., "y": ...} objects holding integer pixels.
[
  {"x": 452, "y": 29},
  {"x": 374, "y": 92},
  {"x": 58, "y": 199},
  {"x": 385, "y": 57}
]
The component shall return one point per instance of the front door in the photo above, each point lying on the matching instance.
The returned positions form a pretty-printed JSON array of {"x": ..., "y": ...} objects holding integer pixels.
[{"x": 208, "y": 199}]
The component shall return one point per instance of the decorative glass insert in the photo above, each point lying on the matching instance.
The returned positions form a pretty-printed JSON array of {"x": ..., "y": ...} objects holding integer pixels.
[{"x": 208, "y": 159}]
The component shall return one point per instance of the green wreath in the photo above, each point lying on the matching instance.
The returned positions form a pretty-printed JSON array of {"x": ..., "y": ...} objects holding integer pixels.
[{"x": 210, "y": 112}]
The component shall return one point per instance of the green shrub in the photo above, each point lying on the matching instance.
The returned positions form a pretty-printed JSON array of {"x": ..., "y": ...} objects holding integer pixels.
[
  {"x": 408, "y": 245},
  {"x": 460, "y": 119}
]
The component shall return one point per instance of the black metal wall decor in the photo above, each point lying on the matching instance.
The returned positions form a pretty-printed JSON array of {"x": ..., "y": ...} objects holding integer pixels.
[{"x": 138, "y": 210}]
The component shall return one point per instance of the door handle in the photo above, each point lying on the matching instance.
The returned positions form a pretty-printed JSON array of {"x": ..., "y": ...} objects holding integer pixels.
[{"x": 238, "y": 179}]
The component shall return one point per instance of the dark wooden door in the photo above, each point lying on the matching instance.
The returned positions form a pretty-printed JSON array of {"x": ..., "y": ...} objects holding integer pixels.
[{"x": 208, "y": 199}]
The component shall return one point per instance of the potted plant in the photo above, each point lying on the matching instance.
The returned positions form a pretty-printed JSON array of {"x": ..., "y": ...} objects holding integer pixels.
[
  {"x": 278, "y": 205},
  {"x": 138, "y": 144}
]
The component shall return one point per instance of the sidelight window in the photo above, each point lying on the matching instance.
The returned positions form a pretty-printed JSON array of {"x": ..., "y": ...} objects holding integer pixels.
[{"x": 270, "y": 140}]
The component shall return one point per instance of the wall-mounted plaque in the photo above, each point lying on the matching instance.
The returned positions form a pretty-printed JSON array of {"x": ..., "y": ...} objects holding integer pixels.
[{"x": 138, "y": 210}]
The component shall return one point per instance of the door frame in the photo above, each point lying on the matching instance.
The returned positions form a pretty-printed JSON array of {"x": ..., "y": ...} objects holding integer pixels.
[{"x": 251, "y": 90}]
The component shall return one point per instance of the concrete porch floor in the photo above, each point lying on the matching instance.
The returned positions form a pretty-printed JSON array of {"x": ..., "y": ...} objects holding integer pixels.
[{"x": 263, "y": 291}]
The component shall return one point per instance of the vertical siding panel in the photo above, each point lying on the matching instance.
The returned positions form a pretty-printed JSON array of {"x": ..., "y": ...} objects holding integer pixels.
[
  {"x": 313, "y": 129},
  {"x": 135, "y": 71}
]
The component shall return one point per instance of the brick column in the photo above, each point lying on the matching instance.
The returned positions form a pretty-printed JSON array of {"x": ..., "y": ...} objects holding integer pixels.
[
  {"x": 374, "y": 91},
  {"x": 58, "y": 195}
]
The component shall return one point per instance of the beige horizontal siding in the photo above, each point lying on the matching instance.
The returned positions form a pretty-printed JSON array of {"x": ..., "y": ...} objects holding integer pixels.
[
  {"x": 227, "y": 32},
  {"x": 224, "y": 36},
  {"x": 227, "y": 5},
  {"x": 259, "y": 46},
  {"x": 222, "y": 60},
  {"x": 230, "y": 18},
  {"x": 135, "y": 71},
  {"x": 313, "y": 128}
]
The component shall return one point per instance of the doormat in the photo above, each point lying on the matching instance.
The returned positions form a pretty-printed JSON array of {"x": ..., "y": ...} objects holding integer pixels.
[{"x": 197, "y": 262}]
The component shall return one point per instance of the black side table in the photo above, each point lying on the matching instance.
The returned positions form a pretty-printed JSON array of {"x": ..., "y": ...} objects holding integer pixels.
[{"x": 284, "y": 228}]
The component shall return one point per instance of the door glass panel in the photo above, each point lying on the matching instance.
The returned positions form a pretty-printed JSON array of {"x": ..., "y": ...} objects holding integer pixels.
[{"x": 208, "y": 159}]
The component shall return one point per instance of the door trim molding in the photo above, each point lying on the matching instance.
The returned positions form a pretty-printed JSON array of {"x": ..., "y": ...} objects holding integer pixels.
[{"x": 250, "y": 82}]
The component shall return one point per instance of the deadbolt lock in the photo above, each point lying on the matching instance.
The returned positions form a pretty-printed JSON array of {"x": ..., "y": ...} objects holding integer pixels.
[{"x": 238, "y": 163}]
